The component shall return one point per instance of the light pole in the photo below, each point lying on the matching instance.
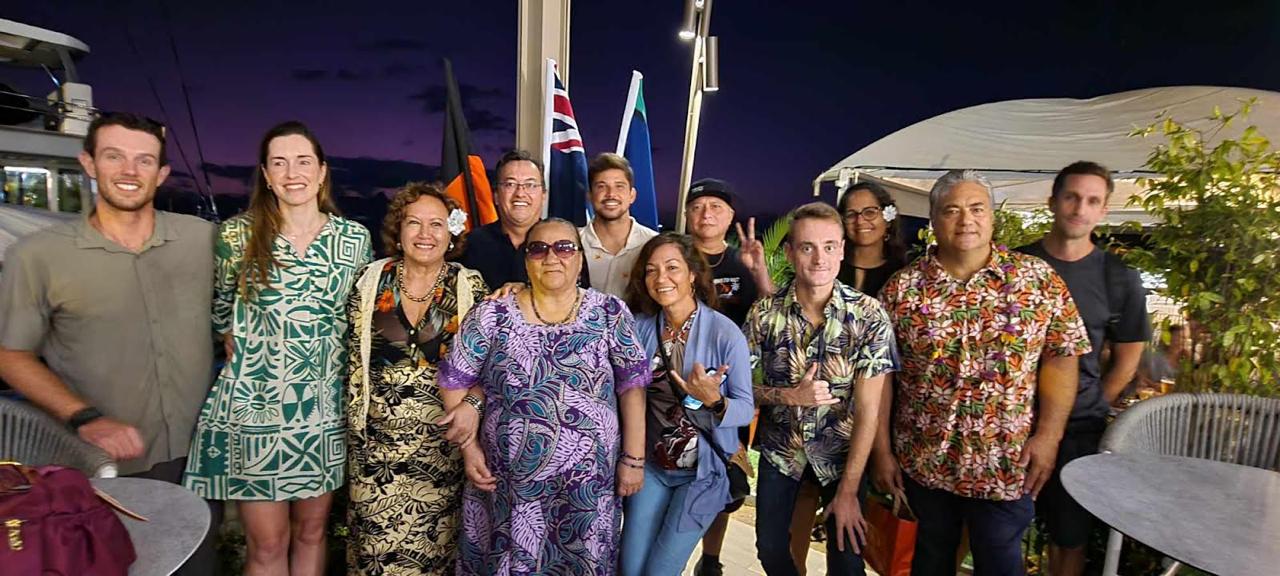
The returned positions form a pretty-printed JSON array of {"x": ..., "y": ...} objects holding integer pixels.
[{"x": 705, "y": 77}]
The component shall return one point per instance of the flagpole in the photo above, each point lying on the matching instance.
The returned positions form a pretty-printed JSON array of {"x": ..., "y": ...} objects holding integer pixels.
[
  {"x": 632, "y": 95},
  {"x": 548, "y": 106},
  {"x": 701, "y": 9}
]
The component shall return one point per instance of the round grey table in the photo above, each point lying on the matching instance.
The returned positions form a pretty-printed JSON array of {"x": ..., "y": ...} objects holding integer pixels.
[
  {"x": 1218, "y": 517},
  {"x": 177, "y": 521}
]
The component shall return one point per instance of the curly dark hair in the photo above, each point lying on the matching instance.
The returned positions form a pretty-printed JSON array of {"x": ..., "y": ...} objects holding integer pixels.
[
  {"x": 895, "y": 248},
  {"x": 704, "y": 288},
  {"x": 407, "y": 195}
]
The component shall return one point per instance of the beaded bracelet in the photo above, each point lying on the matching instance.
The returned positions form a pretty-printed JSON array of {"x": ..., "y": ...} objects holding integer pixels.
[
  {"x": 474, "y": 402},
  {"x": 630, "y": 465}
]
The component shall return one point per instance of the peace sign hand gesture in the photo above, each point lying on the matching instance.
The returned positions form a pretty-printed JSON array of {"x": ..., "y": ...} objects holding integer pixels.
[{"x": 751, "y": 250}]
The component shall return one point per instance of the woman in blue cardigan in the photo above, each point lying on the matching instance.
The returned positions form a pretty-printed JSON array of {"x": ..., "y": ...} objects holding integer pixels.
[{"x": 693, "y": 412}]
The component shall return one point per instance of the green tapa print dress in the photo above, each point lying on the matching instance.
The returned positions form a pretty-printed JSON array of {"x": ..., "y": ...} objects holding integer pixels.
[{"x": 273, "y": 427}]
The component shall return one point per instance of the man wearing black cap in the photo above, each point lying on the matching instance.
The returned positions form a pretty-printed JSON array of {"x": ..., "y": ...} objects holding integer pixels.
[
  {"x": 740, "y": 277},
  {"x": 740, "y": 273}
]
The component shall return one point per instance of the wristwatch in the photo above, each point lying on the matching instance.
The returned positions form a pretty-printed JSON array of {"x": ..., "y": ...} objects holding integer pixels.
[
  {"x": 83, "y": 416},
  {"x": 718, "y": 407}
]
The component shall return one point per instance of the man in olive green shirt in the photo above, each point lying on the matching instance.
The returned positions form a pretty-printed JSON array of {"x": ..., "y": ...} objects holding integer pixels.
[{"x": 118, "y": 306}]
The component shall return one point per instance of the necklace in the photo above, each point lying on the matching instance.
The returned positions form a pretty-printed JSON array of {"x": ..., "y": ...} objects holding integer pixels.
[
  {"x": 573, "y": 311},
  {"x": 424, "y": 297},
  {"x": 313, "y": 229},
  {"x": 722, "y": 253}
]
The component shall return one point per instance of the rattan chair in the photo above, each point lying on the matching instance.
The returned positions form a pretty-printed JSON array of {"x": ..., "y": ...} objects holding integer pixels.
[
  {"x": 31, "y": 437},
  {"x": 1229, "y": 428}
]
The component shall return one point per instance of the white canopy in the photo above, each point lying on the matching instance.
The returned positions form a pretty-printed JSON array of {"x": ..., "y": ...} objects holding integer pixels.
[{"x": 1021, "y": 144}]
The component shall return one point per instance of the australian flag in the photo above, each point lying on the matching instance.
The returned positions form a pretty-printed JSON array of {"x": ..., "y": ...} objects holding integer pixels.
[{"x": 566, "y": 158}]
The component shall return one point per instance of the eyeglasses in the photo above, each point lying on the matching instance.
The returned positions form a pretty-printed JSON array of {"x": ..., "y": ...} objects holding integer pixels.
[
  {"x": 528, "y": 186},
  {"x": 537, "y": 250},
  {"x": 869, "y": 213}
]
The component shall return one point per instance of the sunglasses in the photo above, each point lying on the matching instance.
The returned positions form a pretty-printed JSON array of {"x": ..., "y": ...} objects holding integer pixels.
[{"x": 537, "y": 250}]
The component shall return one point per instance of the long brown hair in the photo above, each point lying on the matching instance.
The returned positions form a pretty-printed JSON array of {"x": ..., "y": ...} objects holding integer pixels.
[
  {"x": 704, "y": 289},
  {"x": 264, "y": 209},
  {"x": 895, "y": 248}
]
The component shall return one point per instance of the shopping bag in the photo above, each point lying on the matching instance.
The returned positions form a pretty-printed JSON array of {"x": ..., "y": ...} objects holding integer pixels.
[{"x": 891, "y": 534}]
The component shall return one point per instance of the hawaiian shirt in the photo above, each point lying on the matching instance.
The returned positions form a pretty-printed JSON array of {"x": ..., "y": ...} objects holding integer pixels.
[
  {"x": 854, "y": 342},
  {"x": 971, "y": 351}
]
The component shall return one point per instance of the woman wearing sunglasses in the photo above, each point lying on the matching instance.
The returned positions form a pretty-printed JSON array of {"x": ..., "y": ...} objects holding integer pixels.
[
  {"x": 699, "y": 397},
  {"x": 561, "y": 437}
]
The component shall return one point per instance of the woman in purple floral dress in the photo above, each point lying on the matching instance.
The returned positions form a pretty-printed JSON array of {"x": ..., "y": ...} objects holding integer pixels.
[{"x": 560, "y": 378}]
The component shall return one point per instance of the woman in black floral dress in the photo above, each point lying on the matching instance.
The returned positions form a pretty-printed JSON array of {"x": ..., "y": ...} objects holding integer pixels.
[{"x": 405, "y": 477}]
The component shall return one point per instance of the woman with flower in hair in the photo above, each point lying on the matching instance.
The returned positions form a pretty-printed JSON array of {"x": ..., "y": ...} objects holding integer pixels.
[
  {"x": 405, "y": 476},
  {"x": 874, "y": 249}
]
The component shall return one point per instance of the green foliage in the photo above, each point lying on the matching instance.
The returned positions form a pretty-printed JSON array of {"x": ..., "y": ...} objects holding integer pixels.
[
  {"x": 1013, "y": 228},
  {"x": 1217, "y": 248},
  {"x": 780, "y": 270}
]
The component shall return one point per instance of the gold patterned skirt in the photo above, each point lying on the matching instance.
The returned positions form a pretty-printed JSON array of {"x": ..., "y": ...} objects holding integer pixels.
[{"x": 405, "y": 480}]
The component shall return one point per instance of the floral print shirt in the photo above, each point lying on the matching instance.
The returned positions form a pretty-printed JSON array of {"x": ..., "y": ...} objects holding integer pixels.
[
  {"x": 854, "y": 342},
  {"x": 971, "y": 350}
]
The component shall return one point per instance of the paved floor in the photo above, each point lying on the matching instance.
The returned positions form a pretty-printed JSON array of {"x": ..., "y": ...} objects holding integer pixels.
[{"x": 739, "y": 553}]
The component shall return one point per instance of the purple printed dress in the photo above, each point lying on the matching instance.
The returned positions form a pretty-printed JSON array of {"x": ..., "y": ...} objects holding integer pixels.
[{"x": 550, "y": 435}]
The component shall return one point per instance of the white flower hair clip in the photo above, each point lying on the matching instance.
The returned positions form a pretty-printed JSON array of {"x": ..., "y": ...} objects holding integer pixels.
[
  {"x": 890, "y": 212},
  {"x": 457, "y": 222}
]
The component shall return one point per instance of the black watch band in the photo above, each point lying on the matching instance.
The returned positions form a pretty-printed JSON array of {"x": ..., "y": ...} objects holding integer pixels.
[{"x": 83, "y": 416}]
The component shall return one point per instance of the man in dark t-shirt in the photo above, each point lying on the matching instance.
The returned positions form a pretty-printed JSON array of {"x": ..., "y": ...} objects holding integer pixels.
[
  {"x": 740, "y": 275},
  {"x": 1112, "y": 304},
  {"x": 493, "y": 250},
  {"x": 740, "y": 278}
]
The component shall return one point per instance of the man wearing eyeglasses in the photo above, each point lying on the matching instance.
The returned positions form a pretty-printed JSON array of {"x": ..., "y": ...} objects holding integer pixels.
[
  {"x": 494, "y": 249},
  {"x": 613, "y": 239}
]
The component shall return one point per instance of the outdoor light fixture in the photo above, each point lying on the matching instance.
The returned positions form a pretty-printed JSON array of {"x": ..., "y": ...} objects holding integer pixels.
[
  {"x": 703, "y": 78},
  {"x": 688, "y": 22},
  {"x": 711, "y": 65}
]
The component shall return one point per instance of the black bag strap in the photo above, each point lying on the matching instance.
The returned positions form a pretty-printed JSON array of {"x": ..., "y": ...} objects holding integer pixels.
[
  {"x": 666, "y": 363},
  {"x": 1113, "y": 267}
]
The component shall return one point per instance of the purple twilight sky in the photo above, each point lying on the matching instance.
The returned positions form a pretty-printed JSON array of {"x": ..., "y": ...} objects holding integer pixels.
[{"x": 803, "y": 84}]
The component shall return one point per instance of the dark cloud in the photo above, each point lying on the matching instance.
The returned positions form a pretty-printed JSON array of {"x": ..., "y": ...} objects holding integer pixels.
[
  {"x": 309, "y": 74},
  {"x": 435, "y": 96},
  {"x": 348, "y": 75},
  {"x": 394, "y": 45},
  {"x": 479, "y": 119},
  {"x": 400, "y": 70},
  {"x": 396, "y": 70}
]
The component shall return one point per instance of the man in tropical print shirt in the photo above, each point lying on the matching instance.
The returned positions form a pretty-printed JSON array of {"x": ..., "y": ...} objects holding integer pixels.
[
  {"x": 989, "y": 340},
  {"x": 824, "y": 350}
]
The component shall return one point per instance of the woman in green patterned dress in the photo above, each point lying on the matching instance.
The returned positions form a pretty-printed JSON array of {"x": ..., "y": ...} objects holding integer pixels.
[
  {"x": 405, "y": 477},
  {"x": 272, "y": 433}
]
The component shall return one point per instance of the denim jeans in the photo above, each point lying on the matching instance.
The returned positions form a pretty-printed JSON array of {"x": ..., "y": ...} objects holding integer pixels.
[
  {"x": 652, "y": 544},
  {"x": 995, "y": 531},
  {"x": 775, "y": 502}
]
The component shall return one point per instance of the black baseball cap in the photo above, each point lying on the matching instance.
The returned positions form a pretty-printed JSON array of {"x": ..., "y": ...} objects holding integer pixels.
[{"x": 710, "y": 187}]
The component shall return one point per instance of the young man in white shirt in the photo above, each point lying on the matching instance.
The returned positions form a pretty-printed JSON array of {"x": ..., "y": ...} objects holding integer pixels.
[{"x": 612, "y": 239}]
